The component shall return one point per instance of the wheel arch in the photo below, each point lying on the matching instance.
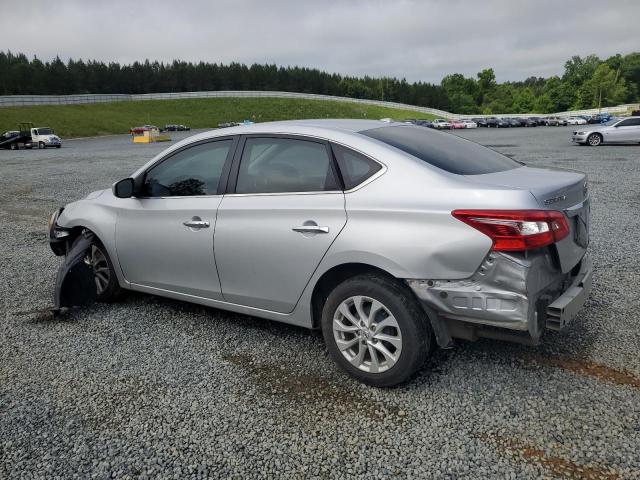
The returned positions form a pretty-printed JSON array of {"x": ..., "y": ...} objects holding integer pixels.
[{"x": 333, "y": 277}]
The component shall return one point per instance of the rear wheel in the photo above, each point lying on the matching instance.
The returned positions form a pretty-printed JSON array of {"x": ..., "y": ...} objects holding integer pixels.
[
  {"x": 41, "y": 145},
  {"x": 375, "y": 330},
  {"x": 104, "y": 275},
  {"x": 594, "y": 139},
  {"x": 14, "y": 146}
]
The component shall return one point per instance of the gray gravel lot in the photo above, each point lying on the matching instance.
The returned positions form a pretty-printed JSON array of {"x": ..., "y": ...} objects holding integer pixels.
[{"x": 152, "y": 387}]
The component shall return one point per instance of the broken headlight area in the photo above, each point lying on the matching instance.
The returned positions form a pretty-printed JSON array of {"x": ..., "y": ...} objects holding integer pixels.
[
  {"x": 75, "y": 285},
  {"x": 59, "y": 237}
]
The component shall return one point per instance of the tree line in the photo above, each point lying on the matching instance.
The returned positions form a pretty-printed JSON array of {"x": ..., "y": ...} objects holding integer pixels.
[{"x": 587, "y": 82}]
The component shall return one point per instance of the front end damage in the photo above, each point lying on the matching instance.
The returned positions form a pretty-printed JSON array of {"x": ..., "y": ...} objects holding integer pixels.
[
  {"x": 512, "y": 296},
  {"x": 75, "y": 280}
]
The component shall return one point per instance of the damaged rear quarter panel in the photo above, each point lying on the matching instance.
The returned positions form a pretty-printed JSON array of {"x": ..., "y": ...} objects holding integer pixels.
[{"x": 503, "y": 292}]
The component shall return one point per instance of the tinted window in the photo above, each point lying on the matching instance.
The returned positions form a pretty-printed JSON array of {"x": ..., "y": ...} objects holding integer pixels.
[
  {"x": 448, "y": 152},
  {"x": 193, "y": 171},
  {"x": 274, "y": 165},
  {"x": 630, "y": 122},
  {"x": 354, "y": 167}
]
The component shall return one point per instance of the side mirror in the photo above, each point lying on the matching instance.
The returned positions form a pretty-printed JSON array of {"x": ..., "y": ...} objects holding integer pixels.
[{"x": 124, "y": 188}]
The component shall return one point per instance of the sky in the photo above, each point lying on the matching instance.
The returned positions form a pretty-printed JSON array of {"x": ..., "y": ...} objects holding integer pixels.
[{"x": 417, "y": 40}]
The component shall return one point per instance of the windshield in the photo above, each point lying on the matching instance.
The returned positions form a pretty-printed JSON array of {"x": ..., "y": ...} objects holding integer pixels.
[
  {"x": 45, "y": 131},
  {"x": 445, "y": 151},
  {"x": 611, "y": 122}
]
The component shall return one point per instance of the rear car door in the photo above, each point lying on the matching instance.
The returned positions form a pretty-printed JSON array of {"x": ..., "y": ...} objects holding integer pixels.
[
  {"x": 283, "y": 210},
  {"x": 164, "y": 237}
]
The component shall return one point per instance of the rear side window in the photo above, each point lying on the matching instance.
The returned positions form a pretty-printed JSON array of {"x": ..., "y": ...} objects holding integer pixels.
[
  {"x": 445, "y": 151},
  {"x": 354, "y": 167},
  {"x": 280, "y": 165}
]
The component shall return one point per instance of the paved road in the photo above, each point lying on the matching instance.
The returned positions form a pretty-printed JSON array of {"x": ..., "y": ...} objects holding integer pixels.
[{"x": 159, "y": 388}]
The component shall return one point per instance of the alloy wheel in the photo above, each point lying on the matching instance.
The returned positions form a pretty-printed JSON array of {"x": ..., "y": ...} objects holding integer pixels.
[
  {"x": 594, "y": 140},
  {"x": 100, "y": 267},
  {"x": 367, "y": 334}
]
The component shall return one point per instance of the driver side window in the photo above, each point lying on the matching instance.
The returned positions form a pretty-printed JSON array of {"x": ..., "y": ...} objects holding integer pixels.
[{"x": 193, "y": 171}]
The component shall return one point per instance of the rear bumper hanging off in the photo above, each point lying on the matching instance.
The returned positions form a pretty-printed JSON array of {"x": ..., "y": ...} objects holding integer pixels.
[
  {"x": 520, "y": 293},
  {"x": 564, "y": 308}
]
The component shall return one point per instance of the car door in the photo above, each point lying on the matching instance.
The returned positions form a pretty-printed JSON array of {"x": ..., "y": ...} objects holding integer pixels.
[
  {"x": 283, "y": 210},
  {"x": 627, "y": 130},
  {"x": 164, "y": 236}
]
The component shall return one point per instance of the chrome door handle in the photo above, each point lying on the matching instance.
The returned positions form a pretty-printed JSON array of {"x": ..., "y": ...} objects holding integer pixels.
[
  {"x": 311, "y": 229},
  {"x": 196, "y": 224}
]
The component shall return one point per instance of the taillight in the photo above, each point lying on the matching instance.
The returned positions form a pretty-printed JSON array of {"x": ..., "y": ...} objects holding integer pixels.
[{"x": 517, "y": 230}]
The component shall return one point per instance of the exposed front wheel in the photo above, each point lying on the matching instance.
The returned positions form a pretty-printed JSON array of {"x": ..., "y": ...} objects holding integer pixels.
[
  {"x": 41, "y": 145},
  {"x": 376, "y": 330},
  {"x": 594, "y": 139},
  {"x": 104, "y": 275}
]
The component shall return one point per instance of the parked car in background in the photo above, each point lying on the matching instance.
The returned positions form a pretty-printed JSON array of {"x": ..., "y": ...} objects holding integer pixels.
[
  {"x": 515, "y": 122},
  {"x": 576, "y": 121},
  {"x": 599, "y": 118},
  {"x": 481, "y": 122},
  {"x": 441, "y": 124},
  {"x": 457, "y": 124},
  {"x": 529, "y": 122},
  {"x": 468, "y": 123},
  {"x": 616, "y": 130},
  {"x": 176, "y": 128},
  {"x": 142, "y": 129},
  {"x": 386, "y": 236},
  {"x": 503, "y": 123},
  {"x": 424, "y": 123},
  {"x": 539, "y": 120},
  {"x": 492, "y": 122},
  {"x": 553, "y": 121}
]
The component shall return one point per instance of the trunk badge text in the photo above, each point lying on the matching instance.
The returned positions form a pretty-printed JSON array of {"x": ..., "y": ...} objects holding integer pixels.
[{"x": 550, "y": 201}]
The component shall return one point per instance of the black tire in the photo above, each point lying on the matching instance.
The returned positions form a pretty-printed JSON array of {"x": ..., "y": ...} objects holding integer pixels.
[
  {"x": 41, "y": 145},
  {"x": 417, "y": 336},
  {"x": 111, "y": 292},
  {"x": 594, "y": 139},
  {"x": 14, "y": 146}
]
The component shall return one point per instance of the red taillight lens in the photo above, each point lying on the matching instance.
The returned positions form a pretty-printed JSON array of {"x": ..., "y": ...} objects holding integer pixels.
[{"x": 517, "y": 230}]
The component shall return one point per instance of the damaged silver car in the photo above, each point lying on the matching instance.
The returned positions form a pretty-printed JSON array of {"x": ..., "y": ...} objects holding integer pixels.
[{"x": 391, "y": 238}]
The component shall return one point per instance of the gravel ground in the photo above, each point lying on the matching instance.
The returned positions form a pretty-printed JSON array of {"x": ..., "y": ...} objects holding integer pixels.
[{"x": 152, "y": 387}]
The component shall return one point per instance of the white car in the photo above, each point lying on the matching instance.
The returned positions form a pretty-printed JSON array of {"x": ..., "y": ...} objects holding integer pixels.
[
  {"x": 576, "y": 121},
  {"x": 469, "y": 124},
  {"x": 441, "y": 124}
]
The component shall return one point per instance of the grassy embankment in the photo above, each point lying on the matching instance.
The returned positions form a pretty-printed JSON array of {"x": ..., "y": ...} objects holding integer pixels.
[{"x": 70, "y": 121}]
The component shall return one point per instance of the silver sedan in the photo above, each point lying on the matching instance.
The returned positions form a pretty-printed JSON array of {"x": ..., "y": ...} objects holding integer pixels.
[
  {"x": 391, "y": 238},
  {"x": 616, "y": 130}
]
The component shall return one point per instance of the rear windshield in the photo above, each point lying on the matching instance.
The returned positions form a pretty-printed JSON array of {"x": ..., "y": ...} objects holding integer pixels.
[{"x": 443, "y": 150}]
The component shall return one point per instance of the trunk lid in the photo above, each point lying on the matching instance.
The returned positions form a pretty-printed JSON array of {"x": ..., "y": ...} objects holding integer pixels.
[{"x": 562, "y": 190}]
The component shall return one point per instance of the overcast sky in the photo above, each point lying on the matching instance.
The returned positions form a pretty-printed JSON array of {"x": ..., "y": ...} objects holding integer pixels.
[{"x": 418, "y": 40}]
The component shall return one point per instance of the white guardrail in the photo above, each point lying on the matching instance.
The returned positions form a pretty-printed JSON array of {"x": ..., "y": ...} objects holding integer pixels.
[{"x": 31, "y": 100}]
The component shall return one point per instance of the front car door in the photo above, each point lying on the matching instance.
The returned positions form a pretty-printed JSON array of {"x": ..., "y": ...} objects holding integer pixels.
[
  {"x": 627, "y": 130},
  {"x": 284, "y": 209},
  {"x": 164, "y": 237}
]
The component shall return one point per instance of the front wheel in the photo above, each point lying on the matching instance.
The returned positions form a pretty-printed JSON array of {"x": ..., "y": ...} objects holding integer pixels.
[
  {"x": 594, "y": 139},
  {"x": 104, "y": 275},
  {"x": 41, "y": 145},
  {"x": 375, "y": 330}
]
